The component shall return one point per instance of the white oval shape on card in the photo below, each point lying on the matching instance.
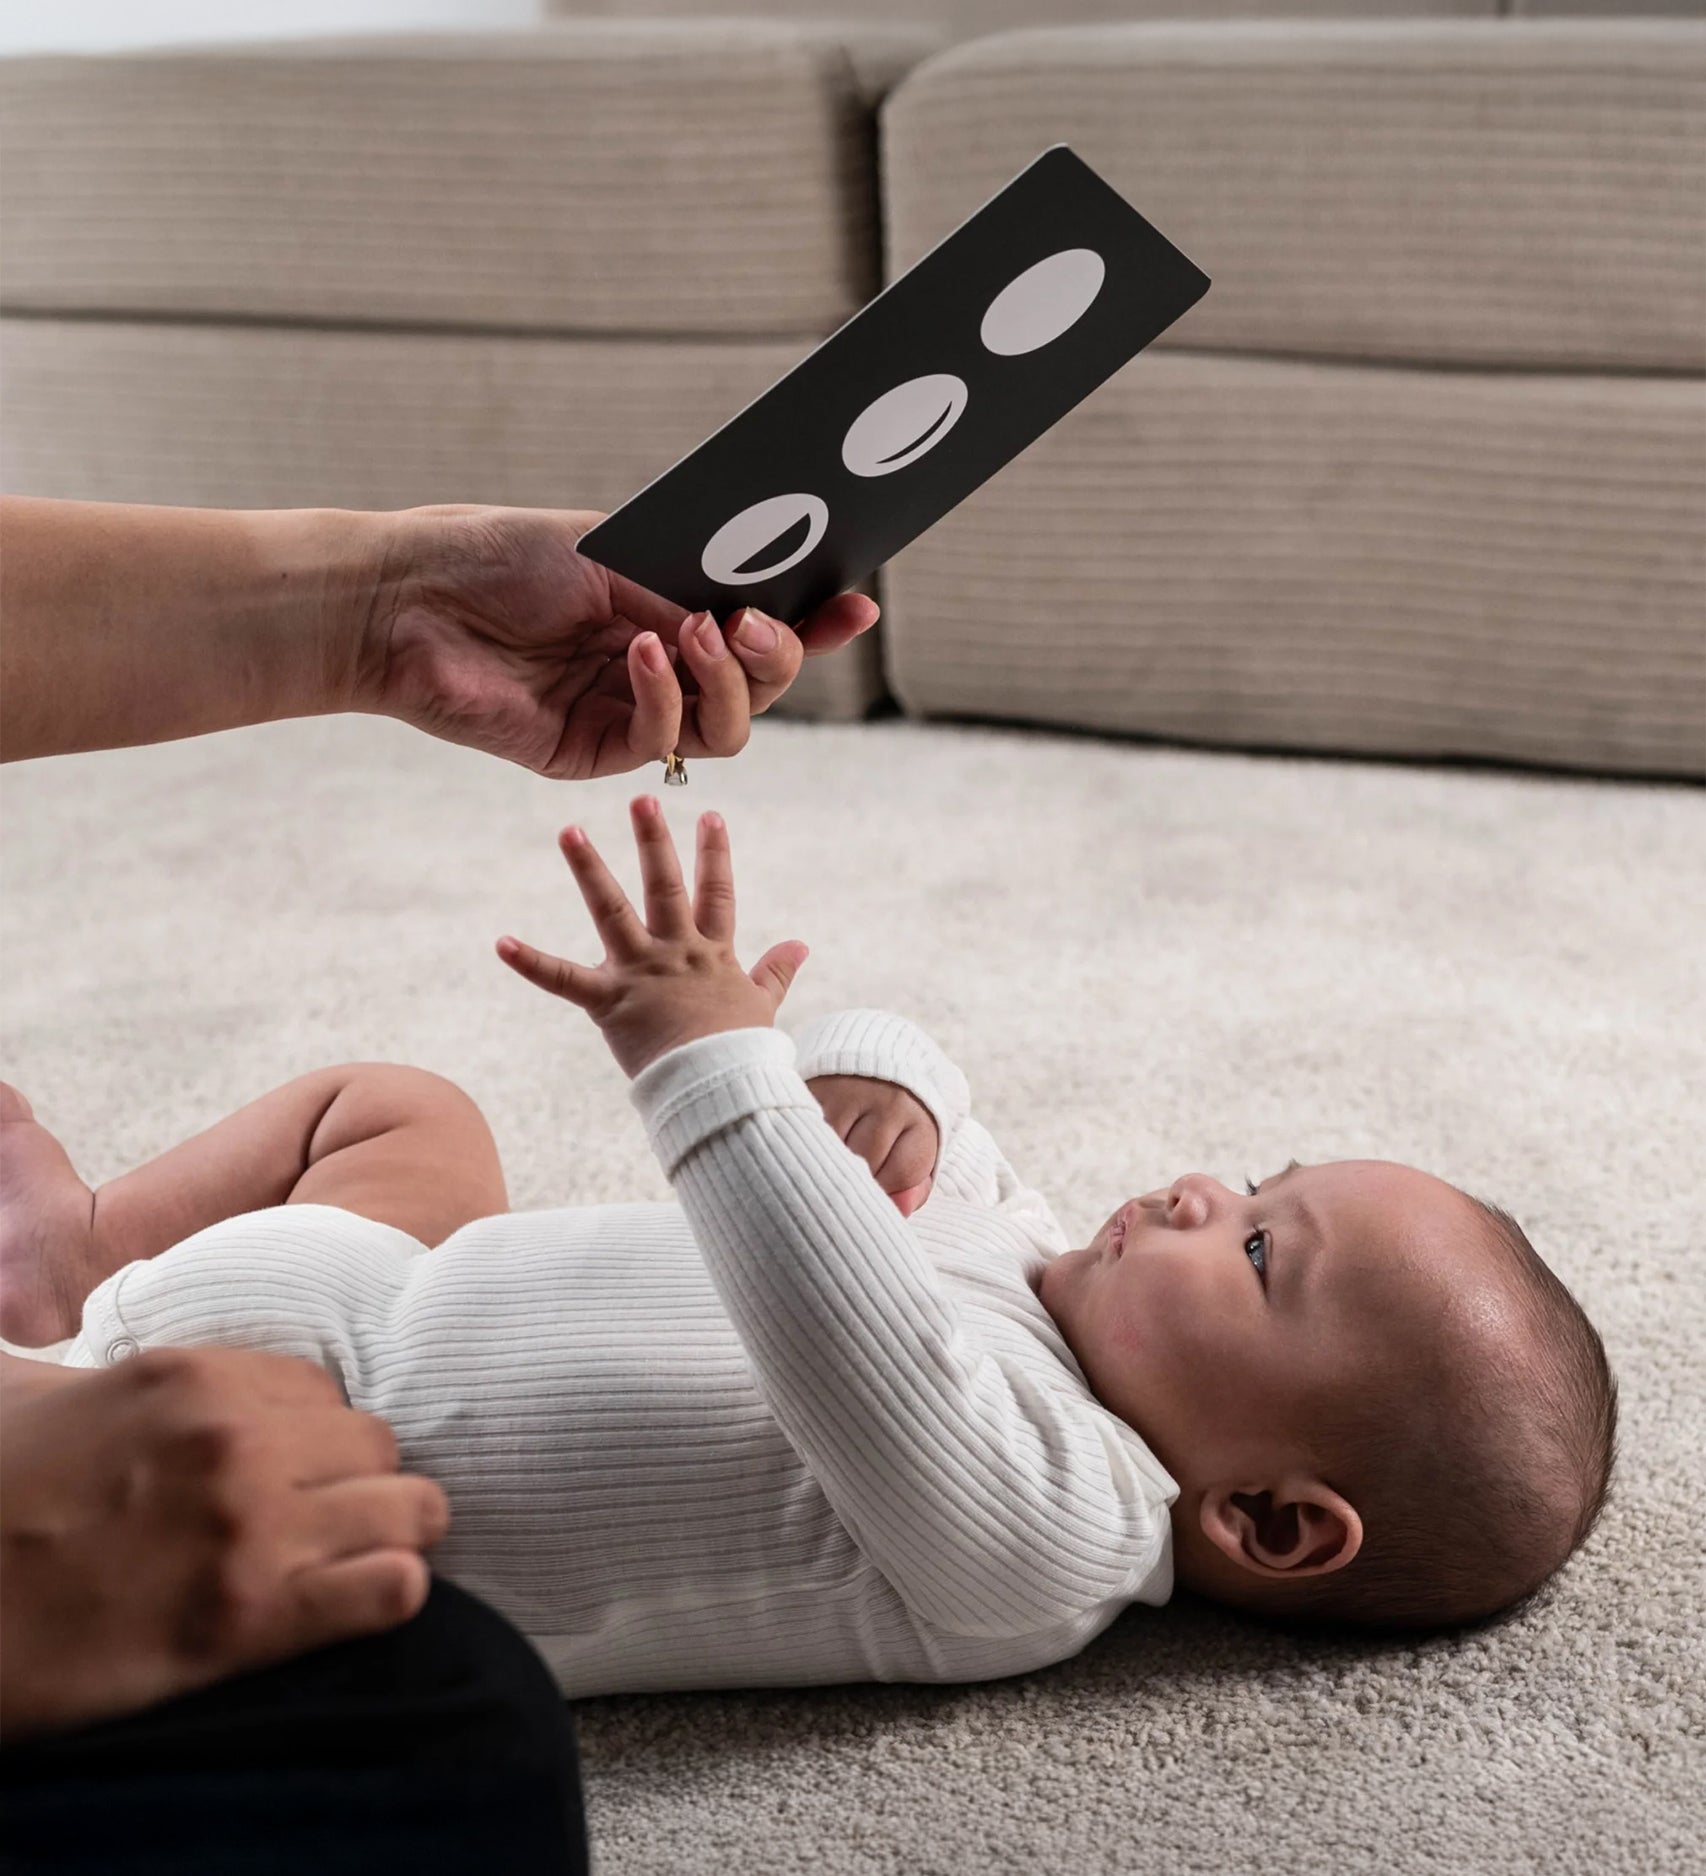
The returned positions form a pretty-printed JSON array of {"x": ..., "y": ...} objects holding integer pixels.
[
  {"x": 791, "y": 524},
  {"x": 901, "y": 425},
  {"x": 1045, "y": 301}
]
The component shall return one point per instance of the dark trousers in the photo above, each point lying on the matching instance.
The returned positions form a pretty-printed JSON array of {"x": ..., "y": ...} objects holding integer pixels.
[{"x": 440, "y": 1749}]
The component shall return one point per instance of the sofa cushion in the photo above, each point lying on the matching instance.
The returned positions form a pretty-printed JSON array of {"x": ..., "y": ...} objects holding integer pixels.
[
  {"x": 1488, "y": 192},
  {"x": 255, "y": 416},
  {"x": 971, "y": 18},
  {"x": 1533, "y": 9},
  {"x": 710, "y": 177},
  {"x": 1286, "y": 554}
]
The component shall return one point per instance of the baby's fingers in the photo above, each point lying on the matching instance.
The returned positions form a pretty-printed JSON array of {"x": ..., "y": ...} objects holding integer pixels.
[
  {"x": 908, "y": 1201},
  {"x": 668, "y": 914},
  {"x": 900, "y": 1161},
  {"x": 908, "y": 1169},
  {"x": 714, "y": 881},
  {"x": 574, "y": 983},
  {"x": 775, "y": 972},
  {"x": 617, "y": 923},
  {"x": 872, "y": 1137}
]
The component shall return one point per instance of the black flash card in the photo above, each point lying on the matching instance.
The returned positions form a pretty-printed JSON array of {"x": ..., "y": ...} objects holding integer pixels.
[{"x": 895, "y": 418}]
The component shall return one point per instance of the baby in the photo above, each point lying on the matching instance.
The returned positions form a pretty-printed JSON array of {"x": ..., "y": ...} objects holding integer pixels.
[{"x": 853, "y": 1408}]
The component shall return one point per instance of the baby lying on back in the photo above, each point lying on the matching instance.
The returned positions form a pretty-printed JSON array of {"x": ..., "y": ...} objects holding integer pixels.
[{"x": 854, "y": 1408}]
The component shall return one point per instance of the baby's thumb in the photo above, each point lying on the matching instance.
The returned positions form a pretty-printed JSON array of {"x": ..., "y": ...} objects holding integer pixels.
[{"x": 774, "y": 973}]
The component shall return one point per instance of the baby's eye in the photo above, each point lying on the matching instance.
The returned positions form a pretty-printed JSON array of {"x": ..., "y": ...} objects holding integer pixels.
[{"x": 1256, "y": 1249}]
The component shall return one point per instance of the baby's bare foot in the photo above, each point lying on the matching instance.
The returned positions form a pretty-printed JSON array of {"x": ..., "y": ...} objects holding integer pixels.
[{"x": 46, "y": 1216}]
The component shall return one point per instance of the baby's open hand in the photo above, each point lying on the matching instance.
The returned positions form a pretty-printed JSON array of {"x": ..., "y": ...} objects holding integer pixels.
[
  {"x": 673, "y": 977},
  {"x": 890, "y": 1129}
]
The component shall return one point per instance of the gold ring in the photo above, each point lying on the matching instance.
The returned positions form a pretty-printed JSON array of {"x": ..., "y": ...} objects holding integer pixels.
[{"x": 674, "y": 771}]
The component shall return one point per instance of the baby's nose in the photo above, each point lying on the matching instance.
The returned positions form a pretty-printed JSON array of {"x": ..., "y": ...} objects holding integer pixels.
[{"x": 1189, "y": 1203}]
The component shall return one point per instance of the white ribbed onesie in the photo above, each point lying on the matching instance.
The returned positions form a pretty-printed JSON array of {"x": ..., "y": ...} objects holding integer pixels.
[{"x": 774, "y": 1434}]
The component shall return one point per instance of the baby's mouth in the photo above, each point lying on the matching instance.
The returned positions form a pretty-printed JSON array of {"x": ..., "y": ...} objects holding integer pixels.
[{"x": 1117, "y": 1230}]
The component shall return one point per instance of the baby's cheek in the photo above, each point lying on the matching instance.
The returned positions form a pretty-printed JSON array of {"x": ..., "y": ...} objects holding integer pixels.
[
  {"x": 1143, "y": 1326},
  {"x": 1172, "y": 1321},
  {"x": 1128, "y": 1339}
]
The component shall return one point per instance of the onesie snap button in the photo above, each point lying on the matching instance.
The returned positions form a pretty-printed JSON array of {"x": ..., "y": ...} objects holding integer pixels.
[{"x": 122, "y": 1347}]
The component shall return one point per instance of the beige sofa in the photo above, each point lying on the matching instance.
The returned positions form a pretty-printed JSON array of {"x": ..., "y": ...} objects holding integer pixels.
[{"x": 1422, "y": 475}]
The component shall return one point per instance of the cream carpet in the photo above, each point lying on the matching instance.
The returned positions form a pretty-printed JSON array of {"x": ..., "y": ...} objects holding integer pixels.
[{"x": 1147, "y": 961}]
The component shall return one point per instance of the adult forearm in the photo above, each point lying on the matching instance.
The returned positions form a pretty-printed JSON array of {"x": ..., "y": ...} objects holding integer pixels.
[{"x": 123, "y": 625}]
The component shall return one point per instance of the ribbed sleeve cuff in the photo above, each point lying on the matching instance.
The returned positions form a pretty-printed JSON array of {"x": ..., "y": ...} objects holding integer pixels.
[
  {"x": 105, "y": 1337},
  {"x": 703, "y": 1087},
  {"x": 886, "y": 1047}
]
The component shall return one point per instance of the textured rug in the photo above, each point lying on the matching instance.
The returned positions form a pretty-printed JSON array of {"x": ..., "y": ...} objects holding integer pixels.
[{"x": 1147, "y": 961}]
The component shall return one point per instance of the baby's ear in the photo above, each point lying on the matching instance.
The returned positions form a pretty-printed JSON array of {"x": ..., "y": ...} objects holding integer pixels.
[{"x": 1300, "y": 1527}]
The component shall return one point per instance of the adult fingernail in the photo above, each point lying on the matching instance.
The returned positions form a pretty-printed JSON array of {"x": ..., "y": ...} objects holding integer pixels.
[
  {"x": 651, "y": 652},
  {"x": 755, "y": 631},
  {"x": 710, "y": 639}
]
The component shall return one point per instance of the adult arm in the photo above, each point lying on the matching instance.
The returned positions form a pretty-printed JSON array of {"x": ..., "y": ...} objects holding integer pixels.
[
  {"x": 122, "y": 625},
  {"x": 184, "y": 1516}
]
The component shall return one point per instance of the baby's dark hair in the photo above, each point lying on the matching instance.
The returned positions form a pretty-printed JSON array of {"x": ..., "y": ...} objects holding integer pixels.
[{"x": 1476, "y": 1487}]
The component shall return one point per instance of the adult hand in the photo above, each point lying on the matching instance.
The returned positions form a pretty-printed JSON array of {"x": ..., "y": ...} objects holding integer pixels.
[
  {"x": 489, "y": 628},
  {"x": 130, "y": 625},
  {"x": 185, "y": 1515}
]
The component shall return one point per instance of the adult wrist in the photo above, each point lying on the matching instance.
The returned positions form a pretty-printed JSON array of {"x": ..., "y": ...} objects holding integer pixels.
[
  {"x": 331, "y": 572},
  {"x": 410, "y": 560}
]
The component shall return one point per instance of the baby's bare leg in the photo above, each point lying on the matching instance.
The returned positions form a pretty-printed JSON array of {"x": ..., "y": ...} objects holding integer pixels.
[{"x": 395, "y": 1144}]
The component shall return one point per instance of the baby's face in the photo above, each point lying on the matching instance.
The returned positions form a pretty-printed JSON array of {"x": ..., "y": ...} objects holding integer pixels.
[{"x": 1222, "y": 1325}]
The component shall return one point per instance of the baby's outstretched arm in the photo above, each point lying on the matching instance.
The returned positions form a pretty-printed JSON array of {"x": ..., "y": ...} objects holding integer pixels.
[{"x": 992, "y": 1503}]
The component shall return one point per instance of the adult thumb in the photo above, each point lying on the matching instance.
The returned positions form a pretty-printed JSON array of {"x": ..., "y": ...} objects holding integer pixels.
[{"x": 774, "y": 973}]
